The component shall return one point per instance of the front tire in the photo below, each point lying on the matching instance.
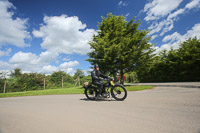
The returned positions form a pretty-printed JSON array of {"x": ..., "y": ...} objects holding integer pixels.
[
  {"x": 119, "y": 92},
  {"x": 90, "y": 93}
]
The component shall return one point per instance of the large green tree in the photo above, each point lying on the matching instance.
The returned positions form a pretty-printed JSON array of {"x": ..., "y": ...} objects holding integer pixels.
[{"x": 120, "y": 46}]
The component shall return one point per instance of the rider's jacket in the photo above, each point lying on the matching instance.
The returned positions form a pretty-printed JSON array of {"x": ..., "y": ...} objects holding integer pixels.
[{"x": 96, "y": 76}]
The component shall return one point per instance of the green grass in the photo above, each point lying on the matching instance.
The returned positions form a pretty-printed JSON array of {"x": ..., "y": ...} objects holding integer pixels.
[{"x": 77, "y": 90}]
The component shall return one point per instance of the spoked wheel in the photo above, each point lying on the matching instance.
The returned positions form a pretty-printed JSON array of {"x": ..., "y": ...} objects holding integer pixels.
[
  {"x": 90, "y": 93},
  {"x": 119, "y": 92}
]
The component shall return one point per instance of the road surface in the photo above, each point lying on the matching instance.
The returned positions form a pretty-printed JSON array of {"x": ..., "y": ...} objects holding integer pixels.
[{"x": 160, "y": 110}]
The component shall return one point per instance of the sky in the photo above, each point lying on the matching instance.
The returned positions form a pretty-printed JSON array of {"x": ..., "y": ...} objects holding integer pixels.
[{"x": 45, "y": 36}]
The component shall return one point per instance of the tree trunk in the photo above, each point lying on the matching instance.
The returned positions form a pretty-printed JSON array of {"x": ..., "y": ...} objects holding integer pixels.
[
  {"x": 114, "y": 76},
  {"x": 44, "y": 84},
  {"x": 62, "y": 82},
  {"x": 122, "y": 76},
  {"x": 79, "y": 81},
  {"x": 4, "y": 89}
]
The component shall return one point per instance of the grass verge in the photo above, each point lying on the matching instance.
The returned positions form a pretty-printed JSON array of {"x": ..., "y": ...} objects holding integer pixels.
[{"x": 64, "y": 91}]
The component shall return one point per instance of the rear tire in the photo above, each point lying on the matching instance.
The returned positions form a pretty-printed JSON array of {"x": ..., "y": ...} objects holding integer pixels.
[
  {"x": 90, "y": 93},
  {"x": 119, "y": 92}
]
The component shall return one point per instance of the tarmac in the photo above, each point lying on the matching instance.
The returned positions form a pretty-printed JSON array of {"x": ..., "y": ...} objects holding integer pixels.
[{"x": 159, "y": 110}]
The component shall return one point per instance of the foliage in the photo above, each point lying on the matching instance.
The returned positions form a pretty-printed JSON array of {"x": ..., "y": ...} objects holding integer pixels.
[
  {"x": 180, "y": 64},
  {"x": 119, "y": 45},
  {"x": 32, "y": 81},
  {"x": 56, "y": 78},
  {"x": 86, "y": 79},
  {"x": 16, "y": 73},
  {"x": 79, "y": 73}
]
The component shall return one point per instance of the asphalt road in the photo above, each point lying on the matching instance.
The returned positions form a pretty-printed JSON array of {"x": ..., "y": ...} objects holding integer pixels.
[{"x": 161, "y": 110}]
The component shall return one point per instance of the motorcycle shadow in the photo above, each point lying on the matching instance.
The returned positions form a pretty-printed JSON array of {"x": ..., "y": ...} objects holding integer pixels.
[{"x": 98, "y": 100}]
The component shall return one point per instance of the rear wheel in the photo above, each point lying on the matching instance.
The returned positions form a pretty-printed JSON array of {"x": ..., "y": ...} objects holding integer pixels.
[
  {"x": 90, "y": 93},
  {"x": 119, "y": 92}
]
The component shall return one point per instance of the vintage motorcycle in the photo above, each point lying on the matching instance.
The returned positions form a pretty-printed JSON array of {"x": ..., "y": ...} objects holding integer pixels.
[{"x": 116, "y": 90}]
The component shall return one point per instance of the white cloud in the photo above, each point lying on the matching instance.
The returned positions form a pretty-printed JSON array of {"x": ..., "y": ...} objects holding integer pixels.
[
  {"x": 66, "y": 67},
  {"x": 173, "y": 37},
  {"x": 21, "y": 57},
  {"x": 157, "y": 27},
  {"x": 5, "y": 53},
  {"x": 13, "y": 31},
  {"x": 127, "y": 14},
  {"x": 193, "y": 4},
  {"x": 63, "y": 34},
  {"x": 176, "y": 37},
  {"x": 41, "y": 64},
  {"x": 49, "y": 69},
  {"x": 68, "y": 64},
  {"x": 153, "y": 37},
  {"x": 66, "y": 59},
  {"x": 160, "y": 8},
  {"x": 174, "y": 40},
  {"x": 166, "y": 10},
  {"x": 176, "y": 13},
  {"x": 122, "y": 3},
  {"x": 30, "y": 61},
  {"x": 46, "y": 57},
  {"x": 4, "y": 65}
]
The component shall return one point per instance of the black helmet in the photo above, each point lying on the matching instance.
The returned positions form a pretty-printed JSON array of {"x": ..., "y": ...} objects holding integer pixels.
[{"x": 95, "y": 66}]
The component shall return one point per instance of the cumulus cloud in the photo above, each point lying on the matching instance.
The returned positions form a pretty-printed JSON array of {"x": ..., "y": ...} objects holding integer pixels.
[
  {"x": 49, "y": 69},
  {"x": 68, "y": 64},
  {"x": 31, "y": 62},
  {"x": 66, "y": 67},
  {"x": 41, "y": 64},
  {"x": 13, "y": 31},
  {"x": 63, "y": 34},
  {"x": 167, "y": 11}
]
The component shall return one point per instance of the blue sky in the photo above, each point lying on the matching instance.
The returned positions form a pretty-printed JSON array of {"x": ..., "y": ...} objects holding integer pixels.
[{"x": 49, "y": 35}]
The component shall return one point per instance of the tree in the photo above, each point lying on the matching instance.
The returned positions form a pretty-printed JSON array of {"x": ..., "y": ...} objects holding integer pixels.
[
  {"x": 57, "y": 78},
  {"x": 175, "y": 65},
  {"x": 78, "y": 73},
  {"x": 3, "y": 80},
  {"x": 16, "y": 73},
  {"x": 119, "y": 45},
  {"x": 31, "y": 81},
  {"x": 189, "y": 53}
]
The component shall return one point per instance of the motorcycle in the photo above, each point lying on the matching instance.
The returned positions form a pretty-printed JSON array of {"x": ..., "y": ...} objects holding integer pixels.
[{"x": 116, "y": 90}]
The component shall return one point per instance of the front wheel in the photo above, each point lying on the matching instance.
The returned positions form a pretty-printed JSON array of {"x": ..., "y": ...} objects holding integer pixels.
[
  {"x": 119, "y": 92},
  {"x": 90, "y": 93}
]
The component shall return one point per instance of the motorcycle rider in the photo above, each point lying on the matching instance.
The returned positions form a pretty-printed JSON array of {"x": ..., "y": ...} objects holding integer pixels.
[{"x": 97, "y": 80}]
